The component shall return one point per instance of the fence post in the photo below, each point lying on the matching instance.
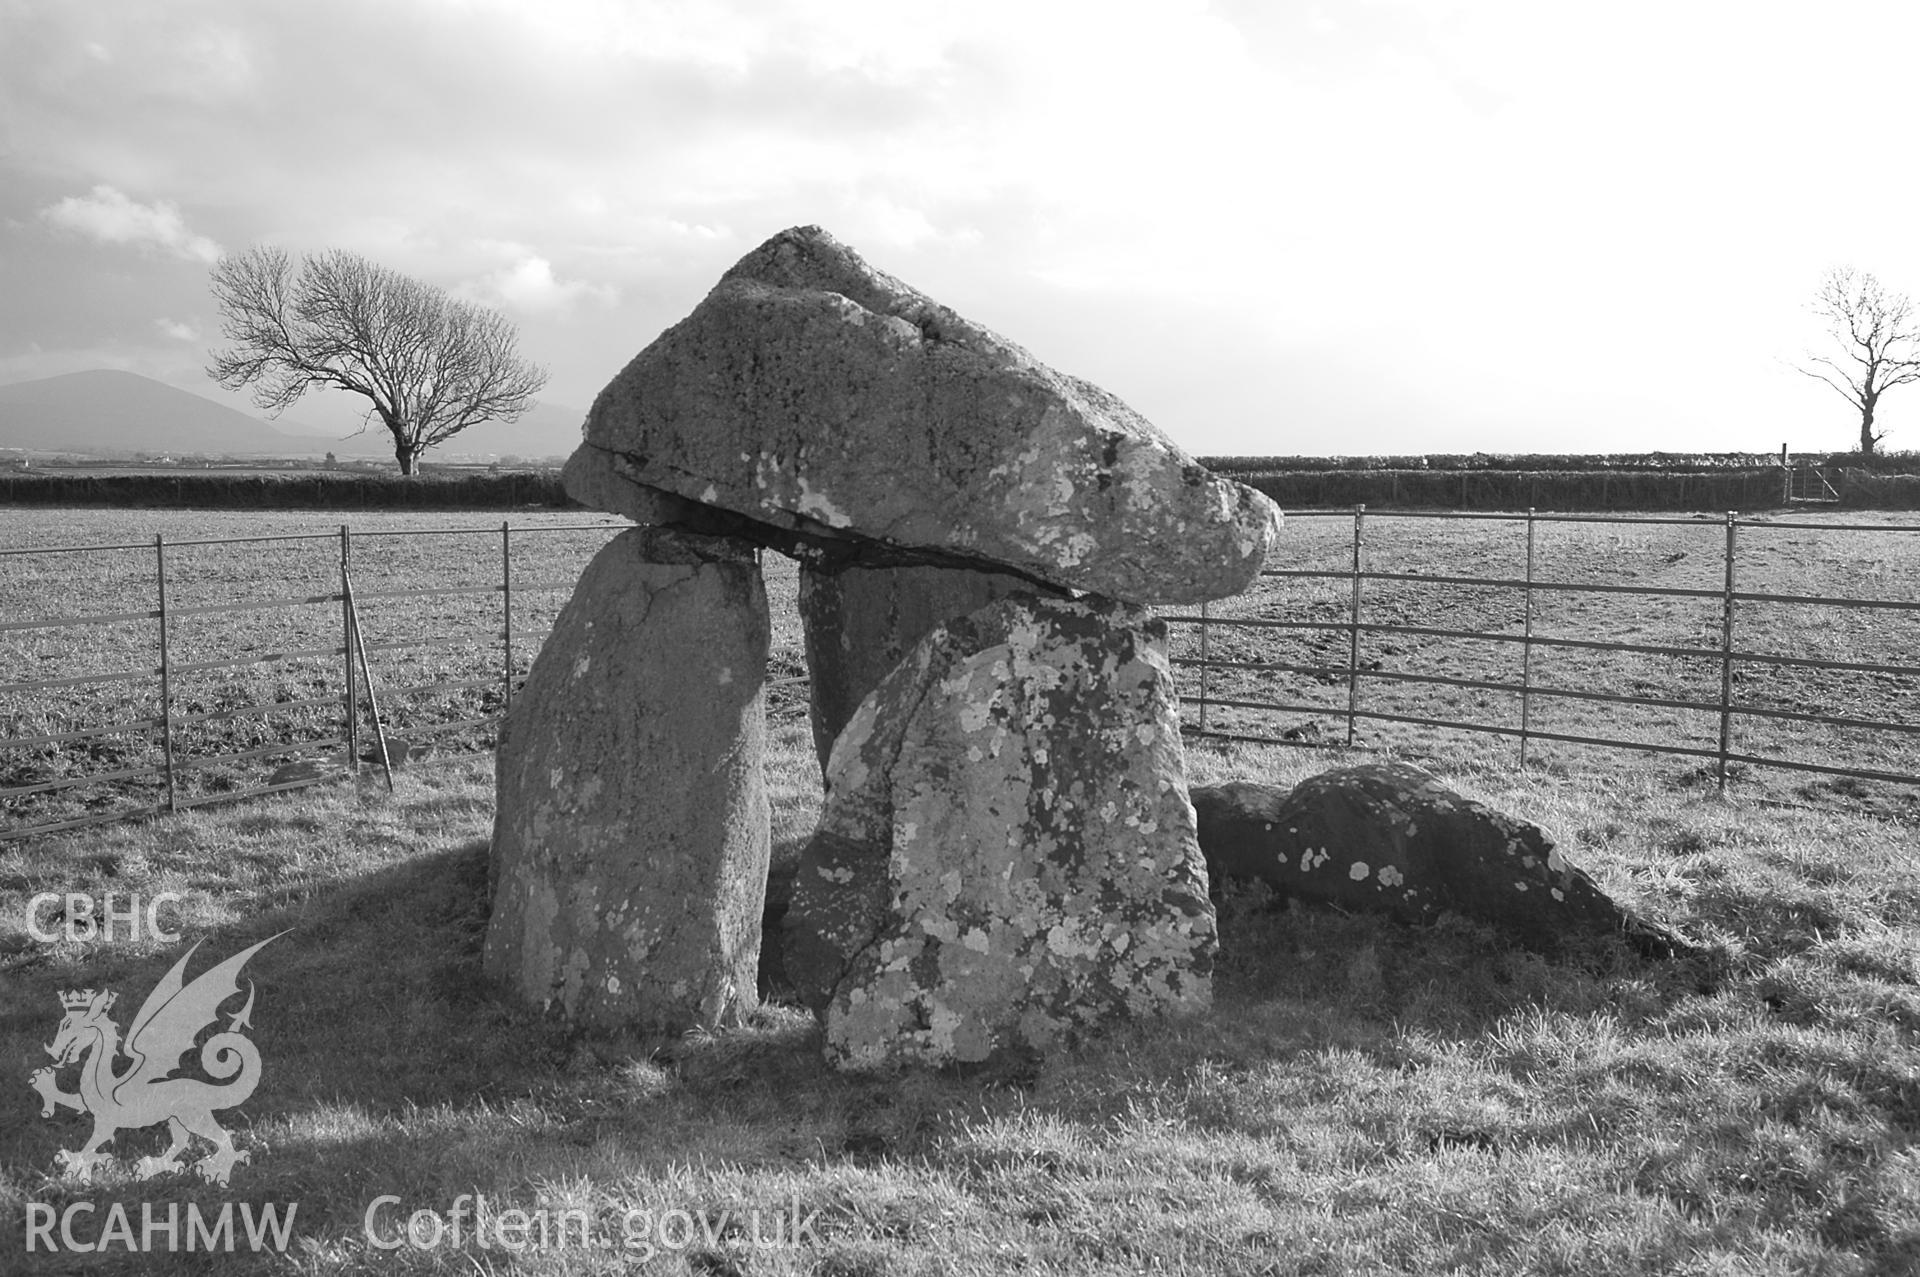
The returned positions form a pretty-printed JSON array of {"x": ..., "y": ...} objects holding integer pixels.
[
  {"x": 1353, "y": 626},
  {"x": 1526, "y": 651},
  {"x": 166, "y": 671},
  {"x": 1726, "y": 658},
  {"x": 373, "y": 697},
  {"x": 346, "y": 646},
  {"x": 1204, "y": 669},
  {"x": 506, "y": 610}
]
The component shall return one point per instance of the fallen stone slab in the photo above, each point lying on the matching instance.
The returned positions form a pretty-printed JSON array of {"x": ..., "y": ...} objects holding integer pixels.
[
  {"x": 826, "y": 400},
  {"x": 1006, "y": 858},
  {"x": 1390, "y": 838},
  {"x": 632, "y": 827}
]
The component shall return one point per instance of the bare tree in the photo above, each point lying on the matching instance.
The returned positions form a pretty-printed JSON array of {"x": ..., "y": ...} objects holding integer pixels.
[
  {"x": 430, "y": 365},
  {"x": 1879, "y": 340}
]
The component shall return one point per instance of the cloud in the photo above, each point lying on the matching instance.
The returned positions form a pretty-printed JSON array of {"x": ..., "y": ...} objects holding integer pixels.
[
  {"x": 529, "y": 284},
  {"x": 881, "y": 220},
  {"x": 1490, "y": 190},
  {"x": 112, "y": 218},
  {"x": 176, "y": 329}
]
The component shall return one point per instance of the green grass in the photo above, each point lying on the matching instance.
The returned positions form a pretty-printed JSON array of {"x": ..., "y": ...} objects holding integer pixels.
[{"x": 1364, "y": 1097}]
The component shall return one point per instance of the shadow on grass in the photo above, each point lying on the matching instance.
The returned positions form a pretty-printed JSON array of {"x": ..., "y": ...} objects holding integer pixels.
[{"x": 392, "y": 1066}]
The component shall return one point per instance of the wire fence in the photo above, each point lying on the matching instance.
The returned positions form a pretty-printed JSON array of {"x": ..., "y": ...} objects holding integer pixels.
[
  {"x": 1261, "y": 688},
  {"x": 198, "y": 696},
  {"x": 164, "y": 676}
]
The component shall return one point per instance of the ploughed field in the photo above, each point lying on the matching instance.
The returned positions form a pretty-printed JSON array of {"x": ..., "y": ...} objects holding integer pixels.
[{"x": 432, "y": 613}]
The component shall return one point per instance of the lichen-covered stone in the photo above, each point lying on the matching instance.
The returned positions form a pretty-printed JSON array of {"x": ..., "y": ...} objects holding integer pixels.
[
  {"x": 1389, "y": 838},
  {"x": 809, "y": 391},
  {"x": 859, "y": 623},
  {"x": 631, "y": 830},
  {"x": 1007, "y": 856}
]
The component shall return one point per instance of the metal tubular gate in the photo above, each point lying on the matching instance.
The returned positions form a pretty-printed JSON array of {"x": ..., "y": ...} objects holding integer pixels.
[{"x": 1725, "y": 654}]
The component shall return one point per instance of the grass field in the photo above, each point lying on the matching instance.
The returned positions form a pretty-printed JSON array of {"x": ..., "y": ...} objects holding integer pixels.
[
  {"x": 1688, "y": 554},
  {"x": 1364, "y": 1098}
]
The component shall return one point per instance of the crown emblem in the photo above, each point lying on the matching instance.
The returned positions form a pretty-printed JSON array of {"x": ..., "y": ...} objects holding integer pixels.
[{"x": 81, "y": 999}]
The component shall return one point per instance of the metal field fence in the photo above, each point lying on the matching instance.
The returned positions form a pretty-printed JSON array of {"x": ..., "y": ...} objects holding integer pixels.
[
  {"x": 166, "y": 674},
  {"x": 160, "y": 674},
  {"x": 1739, "y": 643}
]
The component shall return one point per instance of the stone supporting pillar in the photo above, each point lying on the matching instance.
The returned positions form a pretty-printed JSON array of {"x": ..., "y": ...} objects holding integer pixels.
[
  {"x": 859, "y": 622},
  {"x": 1007, "y": 856},
  {"x": 632, "y": 829}
]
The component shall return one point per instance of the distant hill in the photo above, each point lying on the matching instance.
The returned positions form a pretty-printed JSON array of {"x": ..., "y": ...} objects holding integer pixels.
[{"x": 106, "y": 412}]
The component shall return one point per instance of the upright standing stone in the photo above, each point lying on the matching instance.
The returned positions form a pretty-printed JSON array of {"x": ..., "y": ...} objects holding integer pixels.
[
  {"x": 859, "y": 623},
  {"x": 1007, "y": 853},
  {"x": 631, "y": 834}
]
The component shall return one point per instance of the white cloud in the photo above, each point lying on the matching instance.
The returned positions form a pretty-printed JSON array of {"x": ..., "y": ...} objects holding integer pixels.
[
  {"x": 1508, "y": 206},
  {"x": 112, "y": 218},
  {"x": 529, "y": 284},
  {"x": 176, "y": 329},
  {"x": 882, "y": 221}
]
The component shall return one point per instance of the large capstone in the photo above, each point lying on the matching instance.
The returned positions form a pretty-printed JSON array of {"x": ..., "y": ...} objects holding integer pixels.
[
  {"x": 1390, "y": 838},
  {"x": 631, "y": 831},
  {"x": 1006, "y": 858},
  {"x": 812, "y": 393},
  {"x": 861, "y": 622}
]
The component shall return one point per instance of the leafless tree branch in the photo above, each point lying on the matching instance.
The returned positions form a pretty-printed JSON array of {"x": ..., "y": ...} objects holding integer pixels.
[
  {"x": 1845, "y": 388},
  {"x": 429, "y": 365}
]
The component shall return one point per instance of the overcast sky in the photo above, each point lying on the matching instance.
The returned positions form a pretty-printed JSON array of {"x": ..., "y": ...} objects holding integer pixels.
[{"x": 1398, "y": 225}]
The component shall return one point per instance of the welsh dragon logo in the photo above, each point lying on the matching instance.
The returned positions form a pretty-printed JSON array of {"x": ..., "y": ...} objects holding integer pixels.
[{"x": 145, "y": 1093}]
